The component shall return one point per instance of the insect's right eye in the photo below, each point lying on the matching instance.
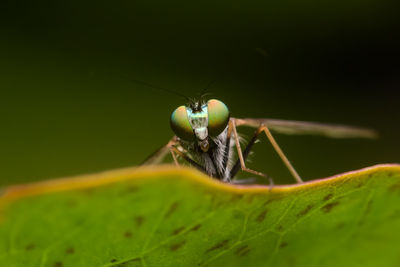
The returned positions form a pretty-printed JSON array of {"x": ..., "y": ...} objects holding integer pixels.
[{"x": 180, "y": 124}]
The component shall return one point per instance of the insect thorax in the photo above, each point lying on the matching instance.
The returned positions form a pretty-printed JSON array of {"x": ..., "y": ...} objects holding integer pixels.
[{"x": 213, "y": 159}]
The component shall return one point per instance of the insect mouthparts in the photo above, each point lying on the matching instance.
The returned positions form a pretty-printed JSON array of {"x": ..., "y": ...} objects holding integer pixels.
[{"x": 204, "y": 145}]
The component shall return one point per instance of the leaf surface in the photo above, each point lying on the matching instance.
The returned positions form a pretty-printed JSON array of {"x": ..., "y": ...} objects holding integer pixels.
[{"x": 178, "y": 217}]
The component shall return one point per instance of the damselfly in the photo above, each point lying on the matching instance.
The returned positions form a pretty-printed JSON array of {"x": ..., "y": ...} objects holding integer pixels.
[{"x": 206, "y": 134}]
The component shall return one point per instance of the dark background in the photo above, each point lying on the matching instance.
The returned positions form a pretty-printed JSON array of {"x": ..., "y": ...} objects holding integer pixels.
[{"x": 67, "y": 105}]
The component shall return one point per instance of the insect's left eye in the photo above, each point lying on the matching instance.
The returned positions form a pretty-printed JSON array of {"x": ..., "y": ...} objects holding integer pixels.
[
  {"x": 180, "y": 124},
  {"x": 218, "y": 117}
]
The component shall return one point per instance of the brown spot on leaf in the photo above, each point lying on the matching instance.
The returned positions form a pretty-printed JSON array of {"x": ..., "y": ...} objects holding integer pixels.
[
  {"x": 245, "y": 252},
  {"x": 305, "y": 211},
  {"x": 58, "y": 264},
  {"x": 328, "y": 197},
  {"x": 267, "y": 202},
  {"x": 139, "y": 220},
  {"x": 128, "y": 234},
  {"x": 71, "y": 203},
  {"x": 172, "y": 209},
  {"x": 70, "y": 251},
  {"x": 30, "y": 246},
  {"x": 261, "y": 216},
  {"x": 195, "y": 228},
  {"x": 328, "y": 207},
  {"x": 394, "y": 187},
  {"x": 236, "y": 197},
  {"x": 177, "y": 246},
  {"x": 113, "y": 260},
  {"x": 219, "y": 245},
  {"x": 242, "y": 251},
  {"x": 283, "y": 244},
  {"x": 279, "y": 228},
  {"x": 178, "y": 230},
  {"x": 131, "y": 189},
  {"x": 272, "y": 199},
  {"x": 360, "y": 184}
]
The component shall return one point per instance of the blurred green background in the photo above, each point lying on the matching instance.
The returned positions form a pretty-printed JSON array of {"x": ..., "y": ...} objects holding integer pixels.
[{"x": 69, "y": 106}]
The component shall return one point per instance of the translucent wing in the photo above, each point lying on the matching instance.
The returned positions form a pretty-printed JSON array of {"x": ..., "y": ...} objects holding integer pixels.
[{"x": 314, "y": 128}]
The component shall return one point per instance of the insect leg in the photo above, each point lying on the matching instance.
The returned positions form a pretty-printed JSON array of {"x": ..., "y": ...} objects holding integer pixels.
[
  {"x": 247, "y": 150},
  {"x": 175, "y": 151},
  {"x": 245, "y": 153},
  {"x": 174, "y": 157},
  {"x": 159, "y": 154},
  {"x": 280, "y": 153},
  {"x": 226, "y": 152}
]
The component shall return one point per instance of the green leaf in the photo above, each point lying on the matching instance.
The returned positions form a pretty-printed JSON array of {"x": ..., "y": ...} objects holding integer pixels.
[{"x": 178, "y": 217}]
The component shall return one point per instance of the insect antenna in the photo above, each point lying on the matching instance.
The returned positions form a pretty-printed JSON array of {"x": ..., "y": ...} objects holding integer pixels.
[
  {"x": 204, "y": 92},
  {"x": 158, "y": 88}
]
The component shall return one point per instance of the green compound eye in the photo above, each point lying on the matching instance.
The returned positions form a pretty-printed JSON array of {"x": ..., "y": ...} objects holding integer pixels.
[
  {"x": 180, "y": 124},
  {"x": 218, "y": 117}
]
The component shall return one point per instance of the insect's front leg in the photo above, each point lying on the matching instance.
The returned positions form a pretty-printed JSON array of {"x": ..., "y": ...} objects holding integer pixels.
[
  {"x": 281, "y": 154},
  {"x": 264, "y": 128},
  {"x": 226, "y": 177},
  {"x": 161, "y": 153},
  {"x": 240, "y": 164},
  {"x": 173, "y": 150},
  {"x": 176, "y": 152}
]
